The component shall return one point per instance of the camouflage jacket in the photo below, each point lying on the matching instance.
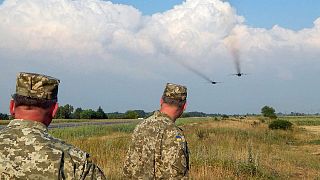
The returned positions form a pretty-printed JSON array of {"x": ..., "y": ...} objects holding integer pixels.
[
  {"x": 158, "y": 150},
  {"x": 27, "y": 151}
]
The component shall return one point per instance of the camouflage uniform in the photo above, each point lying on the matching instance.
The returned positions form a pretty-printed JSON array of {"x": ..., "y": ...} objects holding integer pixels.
[
  {"x": 27, "y": 151},
  {"x": 159, "y": 149}
]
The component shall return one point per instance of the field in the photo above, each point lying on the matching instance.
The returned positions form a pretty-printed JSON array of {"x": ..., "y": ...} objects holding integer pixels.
[{"x": 234, "y": 148}]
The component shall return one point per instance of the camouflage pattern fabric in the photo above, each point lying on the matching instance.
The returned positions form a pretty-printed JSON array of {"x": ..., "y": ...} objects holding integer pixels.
[
  {"x": 175, "y": 91},
  {"x": 27, "y": 151},
  {"x": 37, "y": 86},
  {"x": 158, "y": 150}
]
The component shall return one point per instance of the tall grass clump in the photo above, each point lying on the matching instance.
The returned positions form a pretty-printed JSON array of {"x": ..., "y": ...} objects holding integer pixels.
[
  {"x": 202, "y": 134},
  {"x": 250, "y": 166}
]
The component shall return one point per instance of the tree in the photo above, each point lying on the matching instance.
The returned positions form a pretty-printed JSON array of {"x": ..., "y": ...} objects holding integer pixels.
[
  {"x": 141, "y": 113},
  {"x": 88, "y": 114},
  {"x": 101, "y": 114},
  {"x": 115, "y": 115},
  {"x": 64, "y": 112},
  {"x": 194, "y": 114},
  {"x": 76, "y": 113},
  {"x": 131, "y": 115},
  {"x": 269, "y": 112}
]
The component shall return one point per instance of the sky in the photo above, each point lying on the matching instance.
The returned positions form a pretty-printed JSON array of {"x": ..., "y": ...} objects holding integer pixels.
[{"x": 120, "y": 54}]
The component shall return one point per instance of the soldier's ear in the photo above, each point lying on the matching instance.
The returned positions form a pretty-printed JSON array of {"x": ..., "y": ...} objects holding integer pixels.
[
  {"x": 185, "y": 106},
  {"x": 11, "y": 107},
  {"x": 161, "y": 101},
  {"x": 55, "y": 109}
]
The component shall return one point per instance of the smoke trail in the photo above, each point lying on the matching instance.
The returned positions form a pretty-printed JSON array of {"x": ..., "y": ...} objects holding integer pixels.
[
  {"x": 233, "y": 45},
  {"x": 195, "y": 71},
  {"x": 236, "y": 58}
]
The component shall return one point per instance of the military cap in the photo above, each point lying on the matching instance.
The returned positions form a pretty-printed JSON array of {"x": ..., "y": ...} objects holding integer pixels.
[
  {"x": 37, "y": 86},
  {"x": 175, "y": 91}
]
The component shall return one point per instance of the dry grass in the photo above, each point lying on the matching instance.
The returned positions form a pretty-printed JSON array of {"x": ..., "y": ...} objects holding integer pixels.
[
  {"x": 225, "y": 149},
  {"x": 312, "y": 129}
]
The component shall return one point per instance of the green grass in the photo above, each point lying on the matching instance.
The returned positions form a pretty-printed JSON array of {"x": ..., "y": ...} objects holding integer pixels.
[
  {"x": 316, "y": 142},
  {"x": 303, "y": 120},
  {"x": 91, "y": 131},
  {"x": 96, "y": 130},
  {"x": 184, "y": 121}
]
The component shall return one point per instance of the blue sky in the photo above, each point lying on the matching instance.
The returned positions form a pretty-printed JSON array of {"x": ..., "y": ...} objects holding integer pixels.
[
  {"x": 120, "y": 58},
  {"x": 293, "y": 14}
]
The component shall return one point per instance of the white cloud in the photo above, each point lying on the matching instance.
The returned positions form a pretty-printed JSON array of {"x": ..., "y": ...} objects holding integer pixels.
[
  {"x": 99, "y": 32},
  {"x": 64, "y": 26}
]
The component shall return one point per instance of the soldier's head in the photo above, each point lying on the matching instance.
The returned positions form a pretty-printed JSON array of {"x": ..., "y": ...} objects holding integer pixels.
[
  {"x": 173, "y": 101},
  {"x": 35, "y": 98}
]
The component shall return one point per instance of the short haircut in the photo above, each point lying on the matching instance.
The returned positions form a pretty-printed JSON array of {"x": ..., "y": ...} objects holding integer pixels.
[
  {"x": 175, "y": 102},
  {"x": 35, "y": 102}
]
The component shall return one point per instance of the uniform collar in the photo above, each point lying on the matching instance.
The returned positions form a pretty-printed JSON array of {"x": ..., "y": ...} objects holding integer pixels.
[
  {"x": 161, "y": 114},
  {"x": 22, "y": 123}
]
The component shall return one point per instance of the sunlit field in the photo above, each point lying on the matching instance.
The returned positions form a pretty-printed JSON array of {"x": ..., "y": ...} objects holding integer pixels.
[{"x": 234, "y": 148}]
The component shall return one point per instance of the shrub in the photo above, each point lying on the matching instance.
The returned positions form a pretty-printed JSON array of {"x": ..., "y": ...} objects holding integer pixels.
[
  {"x": 280, "y": 124},
  {"x": 224, "y": 116}
]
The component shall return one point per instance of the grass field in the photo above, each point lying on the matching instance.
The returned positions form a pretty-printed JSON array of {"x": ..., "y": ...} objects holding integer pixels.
[
  {"x": 303, "y": 120},
  {"x": 224, "y": 149}
]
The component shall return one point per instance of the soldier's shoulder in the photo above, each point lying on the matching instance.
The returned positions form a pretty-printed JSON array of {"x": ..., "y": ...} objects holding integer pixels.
[
  {"x": 74, "y": 152},
  {"x": 153, "y": 122},
  {"x": 174, "y": 129}
]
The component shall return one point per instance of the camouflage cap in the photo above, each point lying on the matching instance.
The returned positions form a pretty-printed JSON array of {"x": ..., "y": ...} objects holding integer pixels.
[
  {"x": 37, "y": 86},
  {"x": 175, "y": 91}
]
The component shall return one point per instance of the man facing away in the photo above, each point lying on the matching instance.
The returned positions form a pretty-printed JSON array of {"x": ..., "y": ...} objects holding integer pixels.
[
  {"x": 159, "y": 149},
  {"x": 27, "y": 151}
]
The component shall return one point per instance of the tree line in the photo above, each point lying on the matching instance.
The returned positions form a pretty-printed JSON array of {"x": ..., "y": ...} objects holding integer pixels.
[
  {"x": 69, "y": 112},
  {"x": 4, "y": 116}
]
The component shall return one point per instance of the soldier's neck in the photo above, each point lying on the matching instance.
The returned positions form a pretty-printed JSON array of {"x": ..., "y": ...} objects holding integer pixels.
[
  {"x": 33, "y": 115},
  {"x": 170, "y": 112}
]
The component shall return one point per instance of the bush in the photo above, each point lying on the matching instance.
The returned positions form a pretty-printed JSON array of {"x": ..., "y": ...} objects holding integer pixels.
[
  {"x": 280, "y": 124},
  {"x": 224, "y": 116}
]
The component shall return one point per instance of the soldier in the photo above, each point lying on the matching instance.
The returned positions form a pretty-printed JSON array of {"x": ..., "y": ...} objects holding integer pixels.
[
  {"x": 27, "y": 151},
  {"x": 159, "y": 149}
]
